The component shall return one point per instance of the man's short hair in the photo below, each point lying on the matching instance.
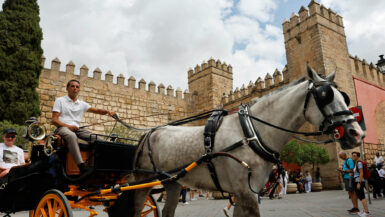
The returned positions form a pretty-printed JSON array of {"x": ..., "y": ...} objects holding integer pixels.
[
  {"x": 357, "y": 153},
  {"x": 72, "y": 80}
]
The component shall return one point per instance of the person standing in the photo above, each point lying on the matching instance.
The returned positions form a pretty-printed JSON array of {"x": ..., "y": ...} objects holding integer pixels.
[
  {"x": 359, "y": 184},
  {"x": 308, "y": 181},
  {"x": 378, "y": 160},
  {"x": 375, "y": 181},
  {"x": 67, "y": 114},
  {"x": 347, "y": 173},
  {"x": 10, "y": 154},
  {"x": 381, "y": 173}
]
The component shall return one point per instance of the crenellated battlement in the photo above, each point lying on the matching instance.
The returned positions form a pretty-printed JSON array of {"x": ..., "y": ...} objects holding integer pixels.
[
  {"x": 255, "y": 89},
  {"x": 366, "y": 71},
  {"x": 316, "y": 15},
  {"x": 211, "y": 66},
  {"x": 69, "y": 73}
]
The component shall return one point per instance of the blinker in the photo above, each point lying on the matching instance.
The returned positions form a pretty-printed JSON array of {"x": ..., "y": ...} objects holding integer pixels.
[
  {"x": 346, "y": 98},
  {"x": 325, "y": 95}
]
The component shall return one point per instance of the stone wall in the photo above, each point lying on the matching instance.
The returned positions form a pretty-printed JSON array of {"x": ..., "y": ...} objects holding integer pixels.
[
  {"x": 139, "y": 104},
  {"x": 316, "y": 36}
]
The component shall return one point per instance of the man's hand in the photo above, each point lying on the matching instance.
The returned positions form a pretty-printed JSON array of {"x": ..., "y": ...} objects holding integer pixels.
[
  {"x": 358, "y": 186},
  {"x": 73, "y": 128},
  {"x": 110, "y": 113}
]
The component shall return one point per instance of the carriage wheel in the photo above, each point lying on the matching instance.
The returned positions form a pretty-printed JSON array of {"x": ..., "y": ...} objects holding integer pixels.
[
  {"x": 53, "y": 204},
  {"x": 150, "y": 208}
]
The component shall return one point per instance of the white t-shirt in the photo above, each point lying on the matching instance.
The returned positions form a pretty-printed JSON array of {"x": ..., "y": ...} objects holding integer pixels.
[
  {"x": 378, "y": 160},
  {"x": 381, "y": 173},
  {"x": 71, "y": 112},
  {"x": 10, "y": 156}
]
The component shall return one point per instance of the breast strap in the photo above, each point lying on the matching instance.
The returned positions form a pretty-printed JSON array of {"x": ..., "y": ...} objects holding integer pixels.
[{"x": 253, "y": 138}]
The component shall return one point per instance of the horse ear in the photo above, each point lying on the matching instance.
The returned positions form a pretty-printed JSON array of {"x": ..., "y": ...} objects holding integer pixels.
[
  {"x": 312, "y": 74},
  {"x": 331, "y": 76}
]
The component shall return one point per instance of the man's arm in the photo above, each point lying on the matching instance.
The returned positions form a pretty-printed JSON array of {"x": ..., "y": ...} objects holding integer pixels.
[
  {"x": 100, "y": 111},
  {"x": 55, "y": 121}
]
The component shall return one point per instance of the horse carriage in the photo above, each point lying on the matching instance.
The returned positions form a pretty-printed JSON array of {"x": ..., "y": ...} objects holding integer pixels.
[
  {"x": 51, "y": 185},
  {"x": 231, "y": 153}
]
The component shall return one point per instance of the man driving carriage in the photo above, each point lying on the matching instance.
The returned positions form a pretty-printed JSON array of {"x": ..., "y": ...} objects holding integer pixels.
[{"x": 67, "y": 114}]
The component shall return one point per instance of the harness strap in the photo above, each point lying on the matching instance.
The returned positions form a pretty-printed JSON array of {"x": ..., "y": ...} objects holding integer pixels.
[
  {"x": 210, "y": 130},
  {"x": 253, "y": 138}
]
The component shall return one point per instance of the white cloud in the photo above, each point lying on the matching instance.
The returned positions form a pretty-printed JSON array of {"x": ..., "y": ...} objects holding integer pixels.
[
  {"x": 260, "y": 10},
  {"x": 364, "y": 26},
  {"x": 160, "y": 40}
]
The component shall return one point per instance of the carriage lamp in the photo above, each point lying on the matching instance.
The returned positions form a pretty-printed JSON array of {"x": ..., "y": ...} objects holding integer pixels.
[{"x": 381, "y": 64}]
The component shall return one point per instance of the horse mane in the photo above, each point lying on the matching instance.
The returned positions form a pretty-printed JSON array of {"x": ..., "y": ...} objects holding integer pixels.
[{"x": 293, "y": 83}]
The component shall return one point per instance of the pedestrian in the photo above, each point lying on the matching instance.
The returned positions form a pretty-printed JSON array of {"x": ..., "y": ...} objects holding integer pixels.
[
  {"x": 192, "y": 194},
  {"x": 183, "y": 192},
  {"x": 300, "y": 181},
  {"x": 381, "y": 174},
  {"x": 347, "y": 173},
  {"x": 226, "y": 209},
  {"x": 359, "y": 183},
  {"x": 378, "y": 159},
  {"x": 375, "y": 181},
  {"x": 308, "y": 181},
  {"x": 318, "y": 175},
  {"x": 284, "y": 179}
]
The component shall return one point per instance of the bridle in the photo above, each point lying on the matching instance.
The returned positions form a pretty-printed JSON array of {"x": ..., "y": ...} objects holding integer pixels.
[{"x": 323, "y": 95}]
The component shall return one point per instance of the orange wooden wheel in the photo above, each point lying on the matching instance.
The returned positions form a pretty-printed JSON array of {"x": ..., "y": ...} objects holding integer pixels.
[
  {"x": 150, "y": 208},
  {"x": 53, "y": 204}
]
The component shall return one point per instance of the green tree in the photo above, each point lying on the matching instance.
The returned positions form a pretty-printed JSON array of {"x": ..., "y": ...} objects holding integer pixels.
[
  {"x": 294, "y": 152},
  {"x": 20, "y": 60}
]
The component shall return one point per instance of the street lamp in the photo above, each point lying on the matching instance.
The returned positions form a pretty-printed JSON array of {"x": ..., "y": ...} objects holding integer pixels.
[{"x": 381, "y": 64}]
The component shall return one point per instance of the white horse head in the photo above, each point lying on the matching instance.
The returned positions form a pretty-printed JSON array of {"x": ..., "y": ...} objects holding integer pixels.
[{"x": 328, "y": 108}]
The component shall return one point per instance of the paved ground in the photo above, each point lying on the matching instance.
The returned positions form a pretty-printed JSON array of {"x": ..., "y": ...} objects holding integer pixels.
[{"x": 314, "y": 204}]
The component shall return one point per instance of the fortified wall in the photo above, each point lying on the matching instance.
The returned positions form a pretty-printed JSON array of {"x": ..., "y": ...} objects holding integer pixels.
[
  {"x": 316, "y": 36},
  {"x": 138, "y": 103}
]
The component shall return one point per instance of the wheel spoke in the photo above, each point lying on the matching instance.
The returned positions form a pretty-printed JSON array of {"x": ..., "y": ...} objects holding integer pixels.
[
  {"x": 61, "y": 213},
  {"x": 55, "y": 203},
  {"x": 49, "y": 206},
  {"x": 43, "y": 213}
]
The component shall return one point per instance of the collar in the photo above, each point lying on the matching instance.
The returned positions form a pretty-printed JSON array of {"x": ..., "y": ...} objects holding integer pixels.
[{"x": 70, "y": 100}]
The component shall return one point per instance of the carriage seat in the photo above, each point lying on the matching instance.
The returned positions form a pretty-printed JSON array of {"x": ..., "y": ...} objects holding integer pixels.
[
  {"x": 85, "y": 151},
  {"x": 83, "y": 144}
]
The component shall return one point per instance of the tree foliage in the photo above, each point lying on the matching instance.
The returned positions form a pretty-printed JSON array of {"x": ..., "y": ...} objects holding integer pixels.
[
  {"x": 294, "y": 152},
  {"x": 20, "y": 60}
]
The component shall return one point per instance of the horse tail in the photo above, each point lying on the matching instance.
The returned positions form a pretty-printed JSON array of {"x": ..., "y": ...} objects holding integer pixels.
[{"x": 123, "y": 206}]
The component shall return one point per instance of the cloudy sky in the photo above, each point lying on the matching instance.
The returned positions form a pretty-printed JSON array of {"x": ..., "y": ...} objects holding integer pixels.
[{"x": 160, "y": 40}]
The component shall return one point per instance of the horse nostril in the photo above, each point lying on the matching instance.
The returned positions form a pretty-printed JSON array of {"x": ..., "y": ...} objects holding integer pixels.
[{"x": 353, "y": 132}]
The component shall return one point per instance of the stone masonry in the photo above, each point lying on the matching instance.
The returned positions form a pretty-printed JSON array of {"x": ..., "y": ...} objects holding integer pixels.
[{"x": 316, "y": 36}]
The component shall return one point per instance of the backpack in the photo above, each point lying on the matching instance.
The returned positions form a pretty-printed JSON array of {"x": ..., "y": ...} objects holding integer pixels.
[{"x": 365, "y": 169}]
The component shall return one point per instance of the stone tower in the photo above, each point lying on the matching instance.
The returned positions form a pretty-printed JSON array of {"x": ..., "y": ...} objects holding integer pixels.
[
  {"x": 319, "y": 38},
  {"x": 208, "y": 82}
]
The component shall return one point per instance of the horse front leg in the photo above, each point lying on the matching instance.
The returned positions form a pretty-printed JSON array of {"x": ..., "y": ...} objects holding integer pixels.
[
  {"x": 246, "y": 205},
  {"x": 173, "y": 190}
]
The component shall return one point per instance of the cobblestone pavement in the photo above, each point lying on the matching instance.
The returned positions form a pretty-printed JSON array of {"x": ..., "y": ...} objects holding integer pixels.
[{"x": 314, "y": 204}]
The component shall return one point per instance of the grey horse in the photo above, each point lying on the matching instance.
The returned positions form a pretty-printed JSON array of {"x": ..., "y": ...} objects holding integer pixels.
[{"x": 175, "y": 146}]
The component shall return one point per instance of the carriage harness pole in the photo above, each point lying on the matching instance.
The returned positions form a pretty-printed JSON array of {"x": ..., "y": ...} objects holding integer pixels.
[{"x": 323, "y": 95}]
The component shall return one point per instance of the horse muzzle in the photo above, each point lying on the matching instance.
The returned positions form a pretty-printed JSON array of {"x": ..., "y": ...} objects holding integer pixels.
[{"x": 349, "y": 135}]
